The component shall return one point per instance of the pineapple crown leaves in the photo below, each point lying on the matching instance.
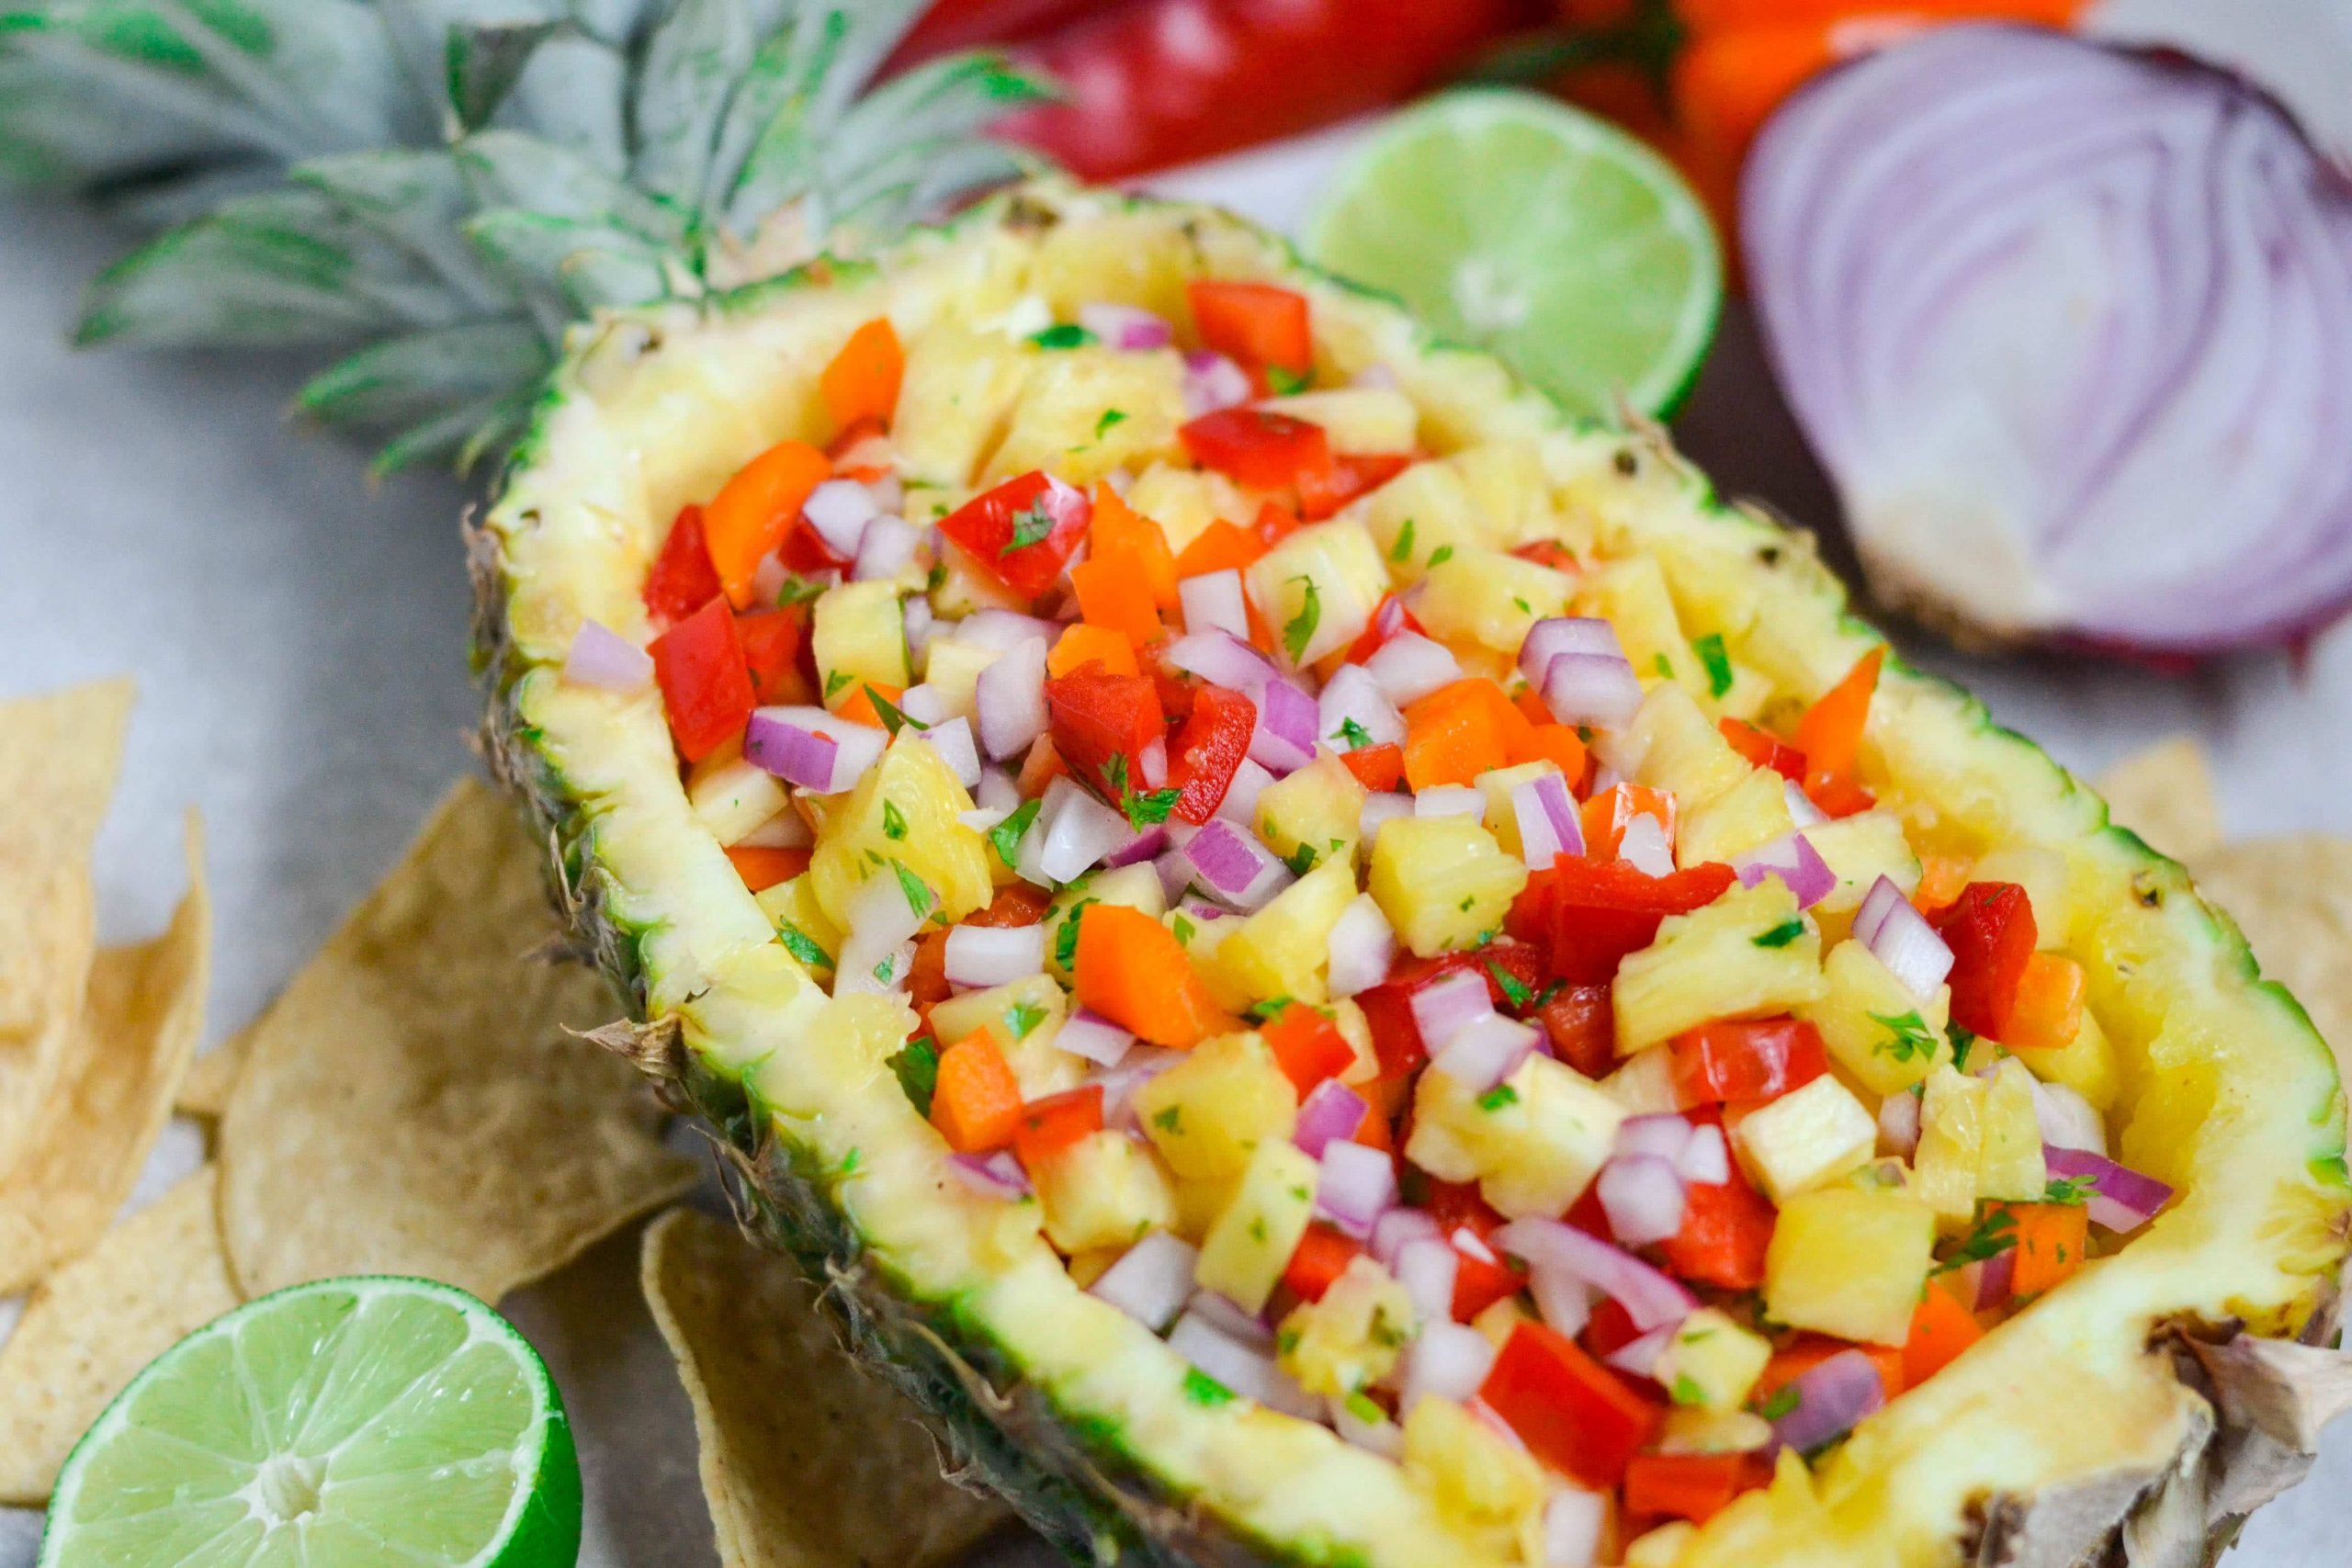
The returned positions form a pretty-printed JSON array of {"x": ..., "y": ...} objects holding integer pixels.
[{"x": 449, "y": 183}]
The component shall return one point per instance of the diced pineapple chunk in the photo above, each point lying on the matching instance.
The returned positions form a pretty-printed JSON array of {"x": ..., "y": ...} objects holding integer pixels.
[
  {"x": 1060, "y": 423},
  {"x": 1644, "y": 1083},
  {"x": 1510, "y": 490},
  {"x": 1487, "y": 597},
  {"x": 1317, "y": 589},
  {"x": 1184, "y": 502},
  {"x": 1210, "y": 1112},
  {"x": 1875, "y": 1028},
  {"x": 1487, "y": 1486},
  {"x": 1425, "y": 509},
  {"x": 2042, "y": 874},
  {"x": 1285, "y": 950},
  {"x": 1711, "y": 1362},
  {"x": 732, "y": 796},
  {"x": 1533, "y": 1143},
  {"x": 1501, "y": 818},
  {"x": 1691, "y": 1430},
  {"x": 1631, "y": 594},
  {"x": 1442, "y": 881},
  {"x": 1804, "y": 1139},
  {"x": 1352, "y": 1337},
  {"x": 1862, "y": 849},
  {"x": 1121, "y": 257},
  {"x": 1498, "y": 1320},
  {"x": 921, "y": 833},
  {"x": 1356, "y": 419},
  {"x": 860, "y": 634},
  {"x": 964, "y": 587},
  {"x": 1753, "y": 812},
  {"x": 1671, "y": 745},
  {"x": 958, "y": 388},
  {"x": 1708, "y": 965},
  {"x": 1319, "y": 807},
  {"x": 1849, "y": 1261},
  {"x": 1134, "y": 886},
  {"x": 1952, "y": 1140},
  {"x": 952, "y": 670},
  {"x": 2087, "y": 1065},
  {"x": 792, "y": 908},
  {"x": 1023, "y": 1019},
  {"x": 1662, "y": 1547},
  {"x": 2010, "y": 1166},
  {"x": 1749, "y": 694},
  {"x": 1248, "y": 1245},
  {"x": 1104, "y": 1191}
]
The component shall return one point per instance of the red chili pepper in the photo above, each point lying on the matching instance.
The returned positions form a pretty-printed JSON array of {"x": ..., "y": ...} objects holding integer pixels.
[
  {"x": 1100, "y": 724},
  {"x": 1050, "y": 1126},
  {"x": 682, "y": 579},
  {"x": 1323, "y": 492},
  {"x": 1256, "y": 449},
  {"x": 1593, "y": 913},
  {"x": 1208, "y": 749},
  {"x": 707, "y": 690},
  {"x": 1322, "y": 1257},
  {"x": 1990, "y": 931},
  {"x": 1024, "y": 532},
  {"x": 1582, "y": 1028},
  {"x": 1746, "y": 1063},
  {"x": 1308, "y": 1046},
  {"x": 1259, "y": 326},
  {"x": 1764, "y": 749},
  {"x": 774, "y": 641},
  {"x": 1575, "y": 1413}
]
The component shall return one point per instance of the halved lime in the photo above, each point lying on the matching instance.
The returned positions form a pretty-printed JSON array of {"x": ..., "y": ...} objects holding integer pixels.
[
  {"x": 346, "y": 1423},
  {"x": 1530, "y": 229}
]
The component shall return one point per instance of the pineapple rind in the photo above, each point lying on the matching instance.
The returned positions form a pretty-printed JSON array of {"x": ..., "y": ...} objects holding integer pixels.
[{"x": 1076, "y": 1411}]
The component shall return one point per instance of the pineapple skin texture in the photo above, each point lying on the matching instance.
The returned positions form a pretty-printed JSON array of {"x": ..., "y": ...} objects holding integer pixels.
[{"x": 653, "y": 899}]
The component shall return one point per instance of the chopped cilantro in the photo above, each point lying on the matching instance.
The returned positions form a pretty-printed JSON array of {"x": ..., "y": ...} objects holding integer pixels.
[
  {"x": 936, "y": 579},
  {"x": 893, "y": 718},
  {"x": 2069, "y": 1190},
  {"x": 1062, "y": 334},
  {"x": 1494, "y": 1099},
  {"x": 1183, "y": 930},
  {"x": 1005, "y": 837},
  {"x": 1440, "y": 556},
  {"x": 1711, "y": 652},
  {"x": 1065, "y": 939},
  {"x": 1781, "y": 935},
  {"x": 835, "y": 683},
  {"x": 894, "y": 821},
  {"x": 1029, "y": 525},
  {"x": 884, "y": 970},
  {"x": 1170, "y": 1119},
  {"x": 1995, "y": 1234},
  {"x": 797, "y": 590},
  {"x": 1515, "y": 995},
  {"x": 803, "y": 946},
  {"x": 1467, "y": 899},
  {"x": 1202, "y": 1389},
  {"x": 1269, "y": 1010},
  {"x": 1283, "y": 382},
  {"x": 1301, "y": 860},
  {"x": 1110, "y": 417},
  {"x": 1525, "y": 607},
  {"x": 1354, "y": 734},
  {"x": 919, "y": 898},
  {"x": 1962, "y": 1039},
  {"x": 1144, "y": 810},
  {"x": 1686, "y": 1390},
  {"x": 1907, "y": 1036},
  {"x": 1257, "y": 1227},
  {"x": 918, "y": 1070},
  {"x": 1299, "y": 631},
  {"x": 1023, "y": 1018},
  {"x": 1664, "y": 666},
  {"x": 1360, "y": 1405},
  {"x": 1117, "y": 773},
  {"x": 1783, "y": 1400},
  {"x": 849, "y": 1162},
  {"x": 1403, "y": 550}
]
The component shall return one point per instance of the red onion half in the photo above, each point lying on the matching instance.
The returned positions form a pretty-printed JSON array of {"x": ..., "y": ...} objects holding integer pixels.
[{"x": 2071, "y": 328}]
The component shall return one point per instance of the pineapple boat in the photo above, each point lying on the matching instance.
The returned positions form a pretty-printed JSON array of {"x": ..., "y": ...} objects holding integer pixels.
[{"x": 1343, "y": 971}]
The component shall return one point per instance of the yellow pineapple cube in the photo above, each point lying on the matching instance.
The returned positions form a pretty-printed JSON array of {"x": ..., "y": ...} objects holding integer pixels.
[
  {"x": 802, "y": 922},
  {"x": 1208, "y": 1113},
  {"x": 1319, "y": 807},
  {"x": 1714, "y": 964},
  {"x": 1859, "y": 850},
  {"x": 1662, "y": 1547},
  {"x": 1711, "y": 1362},
  {"x": 1422, "y": 511},
  {"x": 1849, "y": 1261},
  {"x": 921, "y": 832},
  {"x": 1485, "y": 596},
  {"x": 1111, "y": 257},
  {"x": 1496, "y": 1320},
  {"x": 1105, "y": 1190},
  {"x": 1059, "y": 421},
  {"x": 1510, "y": 490},
  {"x": 1443, "y": 882},
  {"x": 1184, "y": 502},
  {"x": 1285, "y": 950},
  {"x": 732, "y": 796},
  {"x": 1486, "y": 1484},
  {"x": 1317, "y": 589},
  {"x": 1691, "y": 1429},
  {"x": 1533, "y": 1143},
  {"x": 860, "y": 634},
  {"x": 1250, "y": 1243},
  {"x": 1357, "y": 420},
  {"x": 1631, "y": 594},
  {"x": 952, "y": 670},
  {"x": 1023, "y": 1019},
  {"x": 2010, "y": 1165},
  {"x": 1352, "y": 1337},
  {"x": 2086, "y": 1064},
  {"x": 1805, "y": 1139},
  {"x": 954, "y": 400},
  {"x": 1501, "y": 818},
  {"x": 1671, "y": 744},
  {"x": 1750, "y": 814},
  {"x": 966, "y": 587},
  {"x": 1644, "y": 1083},
  {"x": 1199, "y": 1202},
  {"x": 1951, "y": 1142},
  {"x": 1875, "y": 1028}
]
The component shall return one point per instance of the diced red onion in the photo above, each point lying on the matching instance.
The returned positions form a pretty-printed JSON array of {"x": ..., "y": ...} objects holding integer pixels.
[
  {"x": 1240, "y": 802},
  {"x": 1213, "y": 602},
  {"x": 1663, "y": 1133},
  {"x": 1380, "y": 807},
  {"x": 1485, "y": 1053},
  {"x": 882, "y": 925},
  {"x": 1426, "y": 1265},
  {"x": 1229, "y": 1317},
  {"x": 1384, "y": 1437},
  {"x": 1547, "y": 817},
  {"x": 1643, "y": 1198},
  {"x": 1331, "y": 1113},
  {"x": 2122, "y": 1198},
  {"x": 1900, "y": 936},
  {"x": 602, "y": 658},
  {"x": 1556, "y": 634},
  {"x": 810, "y": 748},
  {"x": 1088, "y": 1035},
  {"x": 1643, "y": 846},
  {"x": 1451, "y": 800},
  {"x": 1573, "y": 1522},
  {"x": 981, "y": 956},
  {"x": 1138, "y": 1068},
  {"x": 1650, "y": 1298},
  {"x": 1001, "y": 631},
  {"x": 1151, "y": 1280},
  {"x": 1235, "y": 867},
  {"x": 1247, "y": 1369},
  {"x": 1147, "y": 843},
  {"x": 1409, "y": 667},
  {"x": 1802, "y": 810},
  {"x": 997, "y": 790},
  {"x": 1357, "y": 1186},
  {"x": 1222, "y": 659},
  {"x": 1151, "y": 762},
  {"x": 1562, "y": 1299},
  {"x": 1126, "y": 326},
  {"x": 2067, "y": 1119},
  {"x": 1639, "y": 1356},
  {"x": 886, "y": 550},
  {"x": 1079, "y": 830},
  {"x": 1704, "y": 1160},
  {"x": 1445, "y": 1007},
  {"x": 1213, "y": 383},
  {"x": 1352, "y": 695},
  {"x": 1284, "y": 742},
  {"x": 997, "y": 1175},
  {"x": 953, "y": 741},
  {"x": 921, "y": 623},
  {"x": 1448, "y": 1360},
  {"x": 1899, "y": 1124},
  {"x": 1792, "y": 859},
  {"x": 1996, "y": 1279},
  {"x": 1011, "y": 699},
  {"x": 1362, "y": 947},
  {"x": 1175, "y": 869},
  {"x": 922, "y": 702},
  {"x": 1398, "y": 1226},
  {"x": 838, "y": 510},
  {"x": 1832, "y": 1397},
  {"x": 1591, "y": 688}
]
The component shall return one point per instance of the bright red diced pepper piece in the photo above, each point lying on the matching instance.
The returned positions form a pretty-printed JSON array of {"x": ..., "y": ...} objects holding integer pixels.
[
  {"x": 1726, "y": 1229},
  {"x": 1100, "y": 724},
  {"x": 682, "y": 579},
  {"x": 1208, "y": 749},
  {"x": 773, "y": 642},
  {"x": 1595, "y": 913},
  {"x": 1378, "y": 768},
  {"x": 1323, "y": 492},
  {"x": 1308, "y": 1046},
  {"x": 1388, "y": 1007},
  {"x": 704, "y": 686},
  {"x": 1990, "y": 931},
  {"x": 1747, "y": 1062},
  {"x": 1764, "y": 749},
  {"x": 1024, "y": 532},
  {"x": 1259, "y": 325},
  {"x": 1322, "y": 1257},
  {"x": 1582, "y": 1028},
  {"x": 1836, "y": 794},
  {"x": 1690, "y": 1486},
  {"x": 1052, "y": 1125},
  {"x": 1575, "y": 1413},
  {"x": 1256, "y": 449}
]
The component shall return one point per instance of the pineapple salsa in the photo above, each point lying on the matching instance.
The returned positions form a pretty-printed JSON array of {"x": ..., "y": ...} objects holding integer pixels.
[{"x": 1402, "y": 968}]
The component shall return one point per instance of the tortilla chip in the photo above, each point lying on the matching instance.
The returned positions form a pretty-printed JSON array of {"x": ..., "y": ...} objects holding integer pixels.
[
  {"x": 2293, "y": 899},
  {"x": 89, "y": 1328},
  {"x": 807, "y": 1463},
  {"x": 204, "y": 1091},
  {"x": 59, "y": 755},
  {"x": 2166, "y": 795},
  {"x": 137, "y": 1031},
  {"x": 411, "y": 1104}
]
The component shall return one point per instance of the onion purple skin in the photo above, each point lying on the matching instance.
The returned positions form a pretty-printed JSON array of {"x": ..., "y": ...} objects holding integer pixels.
[{"x": 1894, "y": 217}]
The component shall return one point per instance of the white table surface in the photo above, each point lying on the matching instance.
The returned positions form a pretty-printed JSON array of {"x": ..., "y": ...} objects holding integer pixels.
[{"x": 299, "y": 640}]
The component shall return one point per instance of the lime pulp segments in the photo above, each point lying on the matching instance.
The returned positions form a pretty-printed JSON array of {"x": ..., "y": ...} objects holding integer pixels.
[
  {"x": 346, "y": 1423},
  {"x": 1524, "y": 226}
]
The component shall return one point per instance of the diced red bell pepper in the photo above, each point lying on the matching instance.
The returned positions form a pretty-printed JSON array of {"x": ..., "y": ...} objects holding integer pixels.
[
  {"x": 682, "y": 579},
  {"x": 1548, "y": 552},
  {"x": 1208, "y": 750},
  {"x": 1100, "y": 724},
  {"x": 1609, "y": 1328},
  {"x": 774, "y": 641},
  {"x": 1575, "y": 1413},
  {"x": 1388, "y": 1007},
  {"x": 1256, "y": 449},
  {"x": 1747, "y": 1062},
  {"x": 1593, "y": 913},
  {"x": 1050, "y": 1126},
  {"x": 1836, "y": 794},
  {"x": 1378, "y": 768},
  {"x": 1259, "y": 325},
  {"x": 1388, "y": 617},
  {"x": 1582, "y": 1028},
  {"x": 1323, "y": 492},
  {"x": 1459, "y": 1205},
  {"x": 1323, "y": 1255},
  {"x": 1480, "y": 1282},
  {"x": 1016, "y": 904},
  {"x": 1726, "y": 1229},
  {"x": 1990, "y": 931},
  {"x": 1024, "y": 532},
  {"x": 1308, "y": 1046},
  {"x": 1764, "y": 749},
  {"x": 705, "y": 687},
  {"x": 1690, "y": 1486}
]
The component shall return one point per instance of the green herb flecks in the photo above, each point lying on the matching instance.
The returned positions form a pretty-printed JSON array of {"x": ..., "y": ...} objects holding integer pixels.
[
  {"x": 1961, "y": 1038},
  {"x": 1299, "y": 631},
  {"x": 803, "y": 946},
  {"x": 1782, "y": 1401},
  {"x": 1515, "y": 995},
  {"x": 1150, "y": 808},
  {"x": 893, "y": 718},
  {"x": 2069, "y": 1190},
  {"x": 1995, "y": 1233},
  {"x": 836, "y": 683},
  {"x": 919, "y": 898},
  {"x": 1202, "y": 1389},
  {"x": 1063, "y": 334},
  {"x": 1023, "y": 1019},
  {"x": 1908, "y": 1038},
  {"x": 1065, "y": 939},
  {"x": 1781, "y": 935},
  {"x": 1030, "y": 524},
  {"x": 1354, "y": 734},
  {"x": 894, "y": 821},
  {"x": 1716, "y": 661},
  {"x": 1494, "y": 1099},
  {"x": 1402, "y": 550},
  {"x": 1440, "y": 556},
  {"x": 918, "y": 1070},
  {"x": 1005, "y": 837},
  {"x": 1301, "y": 860},
  {"x": 1111, "y": 417}
]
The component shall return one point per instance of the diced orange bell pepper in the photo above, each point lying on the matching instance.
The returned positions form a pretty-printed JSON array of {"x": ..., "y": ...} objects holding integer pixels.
[
  {"x": 1459, "y": 731},
  {"x": 861, "y": 382},
  {"x": 1220, "y": 546},
  {"x": 855, "y": 702},
  {"x": 1115, "y": 592},
  {"x": 1322, "y": 1257},
  {"x": 2048, "y": 1011},
  {"x": 1690, "y": 1486},
  {"x": 754, "y": 511},
  {"x": 2052, "y": 1241},
  {"x": 977, "y": 1102},
  {"x": 1132, "y": 970},
  {"x": 1052, "y": 1126},
  {"x": 762, "y": 868},
  {"x": 1830, "y": 733},
  {"x": 1377, "y": 768},
  {"x": 1940, "y": 1329},
  {"x": 1082, "y": 644},
  {"x": 1554, "y": 743},
  {"x": 1941, "y": 879},
  {"x": 1119, "y": 530}
]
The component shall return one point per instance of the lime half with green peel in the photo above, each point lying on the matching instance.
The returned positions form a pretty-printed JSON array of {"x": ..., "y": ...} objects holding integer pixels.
[
  {"x": 336, "y": 1425},
  {"x": 1539, "y": 233}
]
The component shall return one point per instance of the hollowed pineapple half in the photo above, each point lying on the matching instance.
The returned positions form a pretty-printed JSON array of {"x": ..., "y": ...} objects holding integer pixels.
[{"x": 2140, "y": 1409}]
